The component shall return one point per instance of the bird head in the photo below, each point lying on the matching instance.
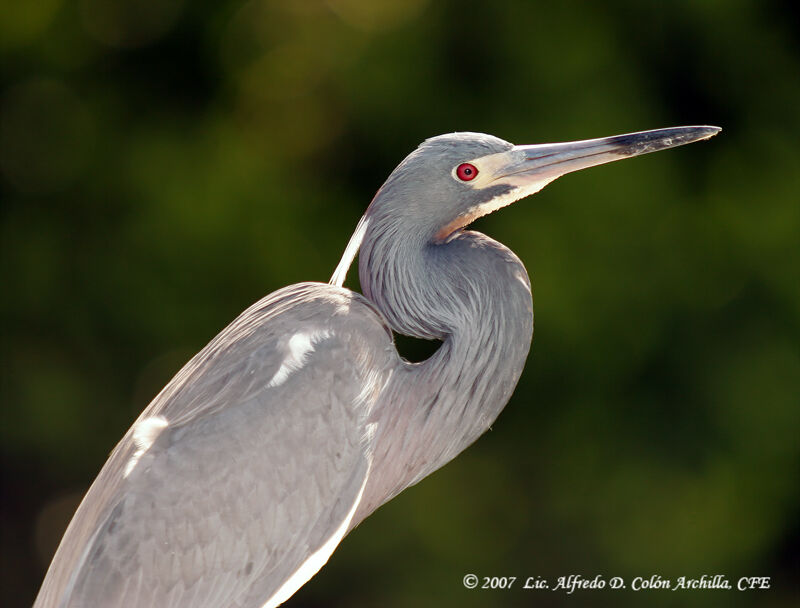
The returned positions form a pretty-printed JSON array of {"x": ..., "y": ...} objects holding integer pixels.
[{"x": 451, "y": 180}]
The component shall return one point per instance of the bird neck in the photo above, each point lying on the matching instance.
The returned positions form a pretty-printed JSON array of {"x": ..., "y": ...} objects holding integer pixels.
[{"x": 472, "y": 293}]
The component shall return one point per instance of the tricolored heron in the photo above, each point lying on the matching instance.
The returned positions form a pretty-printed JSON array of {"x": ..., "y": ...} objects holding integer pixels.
[{"x": 239, "y": 480}]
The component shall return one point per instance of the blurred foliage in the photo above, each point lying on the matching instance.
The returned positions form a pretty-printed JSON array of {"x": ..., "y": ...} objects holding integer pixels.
[{"x": 164, "y": 164}]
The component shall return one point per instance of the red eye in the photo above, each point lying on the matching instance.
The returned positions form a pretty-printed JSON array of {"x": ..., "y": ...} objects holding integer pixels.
[{"x": 466, "y": 172}]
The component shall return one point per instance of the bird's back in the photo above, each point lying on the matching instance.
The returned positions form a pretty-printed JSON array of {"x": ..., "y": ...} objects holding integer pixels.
[{"x": 238, "y": 481}]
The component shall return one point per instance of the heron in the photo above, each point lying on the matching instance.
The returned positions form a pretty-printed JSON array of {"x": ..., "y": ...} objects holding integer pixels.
[{"x": 238, "y": 481}]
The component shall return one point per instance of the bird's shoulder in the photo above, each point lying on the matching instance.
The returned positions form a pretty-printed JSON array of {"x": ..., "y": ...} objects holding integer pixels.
[{"x": 290, "y": 332}]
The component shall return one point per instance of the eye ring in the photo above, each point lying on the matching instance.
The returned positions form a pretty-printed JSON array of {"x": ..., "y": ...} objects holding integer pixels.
[{"x": 466, "y": 172}]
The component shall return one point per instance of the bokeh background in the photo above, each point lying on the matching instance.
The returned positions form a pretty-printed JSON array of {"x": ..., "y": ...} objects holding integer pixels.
[{"x": 164, "y": 164}]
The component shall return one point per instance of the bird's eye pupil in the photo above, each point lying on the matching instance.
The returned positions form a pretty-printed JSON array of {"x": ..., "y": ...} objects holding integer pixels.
[{"x": 466, "y": 172}]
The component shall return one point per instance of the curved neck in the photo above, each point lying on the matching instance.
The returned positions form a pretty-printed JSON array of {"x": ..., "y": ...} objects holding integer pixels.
[
  {"x": 474, "y": 294},
  {"x": 432, "y": 290}
]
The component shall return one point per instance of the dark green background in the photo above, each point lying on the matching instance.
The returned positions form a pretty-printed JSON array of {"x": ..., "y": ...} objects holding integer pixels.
[{"x": 164, "y": 164}]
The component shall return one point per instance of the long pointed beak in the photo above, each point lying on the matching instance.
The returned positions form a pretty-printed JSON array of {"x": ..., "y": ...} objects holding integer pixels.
[
  {"x": 542, "y": 163},
  {"x": 506, "y": 177}
]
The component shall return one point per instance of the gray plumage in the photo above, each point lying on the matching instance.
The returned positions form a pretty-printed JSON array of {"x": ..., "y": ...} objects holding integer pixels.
[{"x": 298, "y": 420}]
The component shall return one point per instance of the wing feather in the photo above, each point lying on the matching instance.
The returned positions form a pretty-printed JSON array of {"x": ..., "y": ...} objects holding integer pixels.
[{"x": 229, "y": 484}]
